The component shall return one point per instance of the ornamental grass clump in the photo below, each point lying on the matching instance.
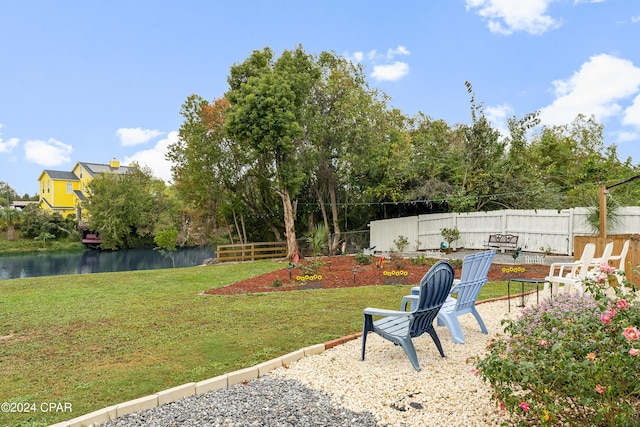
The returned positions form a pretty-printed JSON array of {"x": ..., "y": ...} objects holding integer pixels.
[{"x": 573, "y": 360}]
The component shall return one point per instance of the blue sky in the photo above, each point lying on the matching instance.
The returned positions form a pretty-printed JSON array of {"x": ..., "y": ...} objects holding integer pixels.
[{"x": 95, "y": 80}]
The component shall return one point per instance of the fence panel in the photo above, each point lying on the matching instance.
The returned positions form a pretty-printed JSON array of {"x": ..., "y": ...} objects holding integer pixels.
[
  {"x": 251, "y": 251},
  {"x": 538, "y": 230}
]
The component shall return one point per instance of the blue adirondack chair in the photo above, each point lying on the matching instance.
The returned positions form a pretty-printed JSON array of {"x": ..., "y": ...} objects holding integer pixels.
[
  {"x": 475, "y": 268},
  {"x": 400, "y": 327}
]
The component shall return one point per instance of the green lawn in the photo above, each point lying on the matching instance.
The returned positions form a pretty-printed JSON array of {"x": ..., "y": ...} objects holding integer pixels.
[{"x": 100, "y": 339}]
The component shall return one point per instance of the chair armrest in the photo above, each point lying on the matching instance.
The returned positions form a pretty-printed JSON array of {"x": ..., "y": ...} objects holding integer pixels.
[
  {"x": 561, "y": 268},
  {"x": 382, "y": 312}
]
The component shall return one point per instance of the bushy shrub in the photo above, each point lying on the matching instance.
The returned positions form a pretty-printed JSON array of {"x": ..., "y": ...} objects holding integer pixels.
[
  {"x": 363, "y": 259},
  {"x": 37, "y": 222},
  {"x": 401, "y": 242},
  {"x": 420, "y": 260},
  {"x": 573, "y": 360}
]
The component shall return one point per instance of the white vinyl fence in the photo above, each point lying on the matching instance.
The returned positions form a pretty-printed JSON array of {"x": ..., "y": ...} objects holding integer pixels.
[{"x": 537, "y": 230}]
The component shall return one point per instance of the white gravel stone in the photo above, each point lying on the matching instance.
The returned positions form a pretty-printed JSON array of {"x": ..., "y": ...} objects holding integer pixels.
[{"x": 445, "y": 392}]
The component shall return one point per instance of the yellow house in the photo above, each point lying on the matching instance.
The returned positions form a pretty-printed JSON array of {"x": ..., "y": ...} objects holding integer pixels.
[{"x": 63, "y": 192}]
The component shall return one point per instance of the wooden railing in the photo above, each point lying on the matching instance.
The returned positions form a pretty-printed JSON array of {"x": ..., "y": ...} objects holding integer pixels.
[{"x": 251, "y": 251}]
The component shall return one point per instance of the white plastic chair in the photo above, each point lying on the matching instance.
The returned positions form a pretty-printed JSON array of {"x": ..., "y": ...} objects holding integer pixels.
[{"x": 571, "y": 274}]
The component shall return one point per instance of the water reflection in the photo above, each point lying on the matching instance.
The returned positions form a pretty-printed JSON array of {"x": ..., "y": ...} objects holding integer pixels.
[{"x": 37, "y": 265}]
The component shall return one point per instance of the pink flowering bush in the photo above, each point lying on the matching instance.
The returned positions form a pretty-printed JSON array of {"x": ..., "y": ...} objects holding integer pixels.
[{"x": 573, "y": 360}]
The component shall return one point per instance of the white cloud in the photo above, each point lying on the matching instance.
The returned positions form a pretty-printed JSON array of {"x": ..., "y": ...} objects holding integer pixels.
[
  {"x": 627, "y": 136},
  {"x": 383, "y": 70},
  {"x": 390, "y": 72},
  {"x": 508, "y": 16},
  {"x": 136, "y": 136},
  {"x": 155, "y": 158},
  {"x": 497, "y": 116},
  {"x": 7, "y": 146},
  {"x": 635, "y": 19},
  {"x": 47, "y": 153},
  {"x": 595, "y": 89},
  {"x": 632, "y": 113},
  {"x": 400, "y": 50}
]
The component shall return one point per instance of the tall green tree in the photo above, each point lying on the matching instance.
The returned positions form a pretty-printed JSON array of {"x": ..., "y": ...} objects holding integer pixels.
[
  {"x": 124, "y": 209},
  {"x": 7, "y": 194},
  {"x": 267, "y": 118},
  {"x": 347, "y": 118},
  {"x": 195, "y": 157}
]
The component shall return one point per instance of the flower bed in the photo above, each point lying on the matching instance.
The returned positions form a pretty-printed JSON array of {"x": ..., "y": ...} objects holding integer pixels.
[
  {"x": 340, "y": 274},
  {"x": 573, "y": 360}
]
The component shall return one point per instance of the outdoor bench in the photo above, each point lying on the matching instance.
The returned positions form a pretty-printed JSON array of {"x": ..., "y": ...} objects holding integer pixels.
[{"x": 502, "y": 241}]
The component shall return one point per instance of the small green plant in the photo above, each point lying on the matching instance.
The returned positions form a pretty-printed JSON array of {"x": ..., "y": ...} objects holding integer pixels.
[
  {"x": 420, "y": 260},
  {"x": 547, "y": 250},
  {"x": 417, "y": 244},
  {"x": 397, "y": 261},
  {"x": 317, "y": 239},
  {"x": 309, "y": 269},
  {"x": 401, "y": 242},
  {"x": 572, "y": 360},
  {"x": 277, "y": 283},
  {"x": 44, "y": 238},
  {"x": 363, "y": 259},
  {"x": 165, "y": 241},
  {"x": 450, "y": 235}
]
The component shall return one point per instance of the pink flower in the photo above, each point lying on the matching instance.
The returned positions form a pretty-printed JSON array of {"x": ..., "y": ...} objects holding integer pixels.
[
  {"x": 599, "y": 389},
  {"x": 524, "y": 406},
  {"x": 611, "y": 312},
  {"x": 606, "y": 268},
  {"x": 502, "y": 407},
  {"x": 605, "y": 319},
  {"x": 601, "y": 278},
  {"x": 631, "y": 333},
  {"x": 474, "y": 372},
  {"x": 542, "y": 343},
  {"x": 634, "y": 352},
  {"x": 622, "y": 304}
]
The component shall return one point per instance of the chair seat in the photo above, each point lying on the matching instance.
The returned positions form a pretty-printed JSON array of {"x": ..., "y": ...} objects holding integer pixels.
[{"x": 398, "y": 326}]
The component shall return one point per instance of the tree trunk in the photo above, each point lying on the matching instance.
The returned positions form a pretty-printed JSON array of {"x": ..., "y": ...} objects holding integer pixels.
[
  {"x": 335, "y": 218},
  {"x": 235, "y": 221},
  {"x": 11, "y": 233},
  {"x": 289, "y": 224},
  {"x": 244, "y": 228}
]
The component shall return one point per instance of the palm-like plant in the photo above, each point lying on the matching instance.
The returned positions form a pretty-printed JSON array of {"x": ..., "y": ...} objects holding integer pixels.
[
  {"x": 11, "y": 216},
  {"x": 612, "y": 209}
]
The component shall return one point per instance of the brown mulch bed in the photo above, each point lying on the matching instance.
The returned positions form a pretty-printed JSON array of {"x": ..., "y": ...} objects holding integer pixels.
[{"x": 338, "y": 272}]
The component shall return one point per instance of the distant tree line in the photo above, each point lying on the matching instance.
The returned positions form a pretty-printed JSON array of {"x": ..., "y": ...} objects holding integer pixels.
[{"x": 299, "y": 141}]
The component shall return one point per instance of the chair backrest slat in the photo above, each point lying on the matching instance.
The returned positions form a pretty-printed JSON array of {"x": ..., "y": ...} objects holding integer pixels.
[
  {"x": 468, "y": 293},
  {"x": 588, "y": 253},
  {"x": 434, "y": 290},
  {"x": 475, "y": 269}
]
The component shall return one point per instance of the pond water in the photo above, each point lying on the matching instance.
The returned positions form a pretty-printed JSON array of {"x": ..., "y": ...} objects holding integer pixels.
[{"x": 53, "y": 264}]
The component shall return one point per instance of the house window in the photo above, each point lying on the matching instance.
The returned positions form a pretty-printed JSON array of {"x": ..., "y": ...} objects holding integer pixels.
[
  {"x": 69, "y": 187},
  {"x": 48, "y": 186}
]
